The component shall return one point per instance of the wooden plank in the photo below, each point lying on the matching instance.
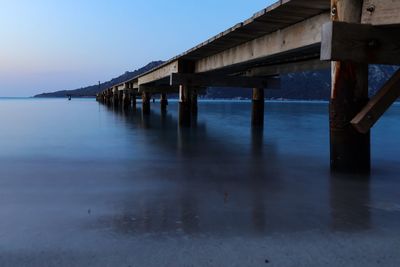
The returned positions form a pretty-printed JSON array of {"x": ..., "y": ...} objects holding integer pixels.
[
  {"x": 300, "y": 35},
  {"x": 378, "y": 105},
  {"x": 292, "y": 67},
  {"x": 159, "y": 73},
  {"x": 381, "y": 12},
  {"x": 361, "y": 43},
  {"x": 314, "y": 4},
  {"x": 210, "y": 80}
]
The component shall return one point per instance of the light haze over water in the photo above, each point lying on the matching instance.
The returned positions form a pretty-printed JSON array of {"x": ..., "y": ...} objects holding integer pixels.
[{"x": 82, "y": 184}]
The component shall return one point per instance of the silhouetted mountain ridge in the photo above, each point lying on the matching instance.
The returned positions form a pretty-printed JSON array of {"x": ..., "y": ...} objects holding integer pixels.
[{"x": 91, "y": 91}]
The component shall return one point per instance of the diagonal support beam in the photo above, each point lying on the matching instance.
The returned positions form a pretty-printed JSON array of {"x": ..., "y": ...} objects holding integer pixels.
[
  {"x": 215, "y": 80},
  {"x": 360, "y": 43},
  {"x": 377, "y": 106}
]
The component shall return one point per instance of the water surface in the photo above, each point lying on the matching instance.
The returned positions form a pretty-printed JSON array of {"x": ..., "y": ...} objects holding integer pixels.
[{"x": 84, "y": 184}]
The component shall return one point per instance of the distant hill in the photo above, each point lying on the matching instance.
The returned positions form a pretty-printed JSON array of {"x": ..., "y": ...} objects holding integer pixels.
[
  {"x": 92, "y": 90},
  {"x": 310, "y": 85}
]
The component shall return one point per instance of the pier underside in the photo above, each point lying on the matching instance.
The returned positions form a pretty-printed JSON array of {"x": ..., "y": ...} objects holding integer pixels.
[{"x": 291, "y": 36}]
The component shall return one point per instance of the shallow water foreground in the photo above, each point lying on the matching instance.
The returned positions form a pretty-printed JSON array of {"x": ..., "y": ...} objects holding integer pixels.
[{"x": 85, "y": 185}]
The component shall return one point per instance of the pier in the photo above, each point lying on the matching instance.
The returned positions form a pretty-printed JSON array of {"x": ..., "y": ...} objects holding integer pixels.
[{"x": 289, "y": 36}]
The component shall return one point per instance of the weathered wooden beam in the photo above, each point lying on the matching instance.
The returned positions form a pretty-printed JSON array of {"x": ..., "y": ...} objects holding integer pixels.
[
  {"x": 360, "y": 43},
  {"x": 121, "y": 87},
  {"x": 381, "y": 12},
  {"x": 156, "y": 89},
  {"x": 294, "y": 37},
  {"x": 215, "y": 80},
  {"x": 377, "y": 106},
  {"x": 308, "y": 65},
  {"x": 159, "y": 73}
]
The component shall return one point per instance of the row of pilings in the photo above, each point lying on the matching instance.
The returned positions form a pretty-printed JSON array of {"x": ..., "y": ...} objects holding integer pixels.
[
  {"x": 350, "y": 151},
  {"x": 188, "y": 103}
]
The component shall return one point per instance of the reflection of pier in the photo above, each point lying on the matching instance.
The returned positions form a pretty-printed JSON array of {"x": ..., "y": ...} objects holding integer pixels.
[
  {"x": 350, "y": 200},
  {"x": 188, "y": 210},
  {"x": 289, "y": 36},
  {"x": 250, "y": 196}
]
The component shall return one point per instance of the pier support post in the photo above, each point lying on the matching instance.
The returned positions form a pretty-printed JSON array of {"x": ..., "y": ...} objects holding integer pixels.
[
  {"x": 146, "y": 97},
  {"x": 109, "y": 97},
  {"x": 115, "y": 98},
  {"x": 184, "y": 106},
  {"x": 120, "y": 98},
  {"x": 163, "y": 102},
  {"x": 133, "y": 98},
  {"x": 257, "y": 114},
  {"x": 127, "y": 99},
  {"x": 350, "y": 150},
  {"x": 193, "y": 102}
]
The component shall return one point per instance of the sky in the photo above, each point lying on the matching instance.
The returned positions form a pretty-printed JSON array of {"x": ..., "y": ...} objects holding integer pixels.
[{"x": 51, "y": 45}]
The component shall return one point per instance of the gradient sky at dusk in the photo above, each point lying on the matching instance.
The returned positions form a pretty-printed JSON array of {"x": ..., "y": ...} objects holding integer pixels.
[{"x": 49, "y": 45}]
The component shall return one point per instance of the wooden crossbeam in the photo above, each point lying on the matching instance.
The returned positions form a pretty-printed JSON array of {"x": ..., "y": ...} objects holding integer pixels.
[
  {"x": 377, "y": 106},
  {"x": 159, "y": 73},
  {"x": 308, "y": 65},
  {"x": 156, "y": 89},
  {"x": 361, "y": 43},
  {"x": 214, "y": 80}
]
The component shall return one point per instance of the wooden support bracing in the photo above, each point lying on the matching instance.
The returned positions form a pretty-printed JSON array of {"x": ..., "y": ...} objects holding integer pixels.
[
  {"x": 360, "y": 43},
  {"x": 375, "y": 108},
  {"x": 350, "y": 150},
  {"x": 215, "y": 80}
]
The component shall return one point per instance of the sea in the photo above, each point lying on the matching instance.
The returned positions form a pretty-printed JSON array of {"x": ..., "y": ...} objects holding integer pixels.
[{"x": 84, "y": 184}]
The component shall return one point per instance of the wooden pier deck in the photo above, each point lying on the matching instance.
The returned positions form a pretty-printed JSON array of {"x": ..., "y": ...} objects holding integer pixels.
[{"x": 290, "y": 36}]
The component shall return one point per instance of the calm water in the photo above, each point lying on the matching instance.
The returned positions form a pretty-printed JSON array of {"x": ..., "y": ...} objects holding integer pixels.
[{"x": 85, "y": 185}]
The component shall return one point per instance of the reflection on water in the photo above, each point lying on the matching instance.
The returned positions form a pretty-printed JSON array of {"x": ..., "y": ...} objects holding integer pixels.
[
  {"x": 350, "y": 198},
  {"x": 145, "y": 175},
  {"x": 223, "y": 177}
]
